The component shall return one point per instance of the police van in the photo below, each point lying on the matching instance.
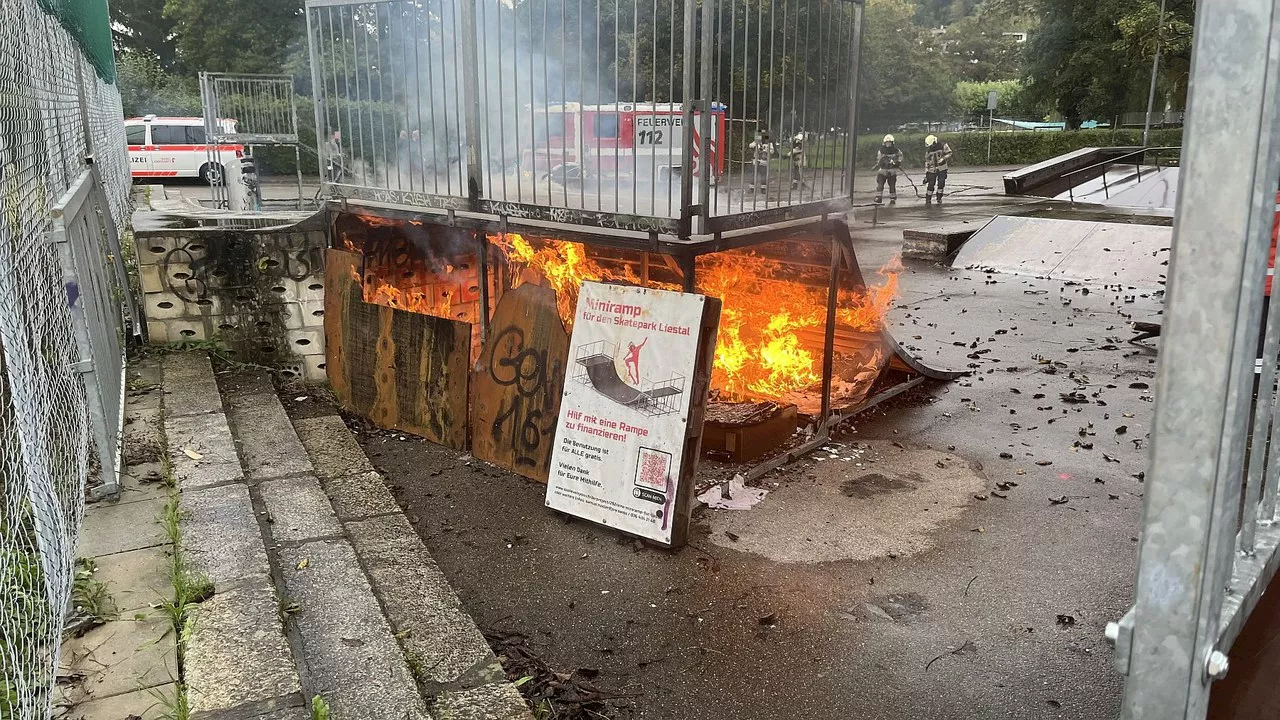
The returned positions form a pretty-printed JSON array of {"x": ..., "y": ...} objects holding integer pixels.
[{"x": 174, "y": 147}]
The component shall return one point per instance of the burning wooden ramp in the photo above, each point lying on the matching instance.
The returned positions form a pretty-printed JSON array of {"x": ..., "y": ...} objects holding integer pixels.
[{"x": 801, "y": 331}]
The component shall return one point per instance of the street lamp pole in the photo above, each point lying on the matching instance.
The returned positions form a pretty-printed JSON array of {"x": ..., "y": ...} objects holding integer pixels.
[{"x": 1155, "y": 72}]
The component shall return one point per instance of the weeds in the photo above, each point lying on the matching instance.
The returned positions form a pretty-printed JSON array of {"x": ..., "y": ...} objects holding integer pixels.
[
  {"x": 319, "y": 708},
  {"x": 189, "y": 589},
  {"x": 91, "y": 601},
  {"x": 288, "y": 608},
  {"x": 177, "y": 706}
]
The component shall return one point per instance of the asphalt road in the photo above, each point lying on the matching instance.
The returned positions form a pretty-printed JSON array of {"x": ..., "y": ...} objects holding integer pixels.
[{"x": 995, "y": 607}]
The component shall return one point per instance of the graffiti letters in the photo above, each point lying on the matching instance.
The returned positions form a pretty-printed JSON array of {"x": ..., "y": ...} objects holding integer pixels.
[
  {"x": 200, "y": 263},
  {"x": 527, "y": 418}
]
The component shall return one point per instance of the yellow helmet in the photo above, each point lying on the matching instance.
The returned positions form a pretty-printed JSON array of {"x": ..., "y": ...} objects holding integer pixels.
[
  {"x": 888, "y": 139},
  {"x": 931, "y": 140}
]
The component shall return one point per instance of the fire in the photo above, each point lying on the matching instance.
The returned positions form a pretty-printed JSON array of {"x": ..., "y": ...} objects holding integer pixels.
[
  {"x": 414, "y": 300},
  {"x": 564, "y": 265},
  {"x": 758, "y": 351}
]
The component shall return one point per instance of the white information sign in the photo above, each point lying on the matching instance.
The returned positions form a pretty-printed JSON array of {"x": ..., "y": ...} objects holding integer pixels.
[{"x": 624, "y": 415}]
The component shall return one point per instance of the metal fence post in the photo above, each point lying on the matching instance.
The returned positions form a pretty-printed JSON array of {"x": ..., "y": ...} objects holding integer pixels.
[
  {"x": 855, "y": 62},
  {"x": 471, "y": 96},
  {"x": 686, "y": 166},
  {"x": 1207, "y": 356}
]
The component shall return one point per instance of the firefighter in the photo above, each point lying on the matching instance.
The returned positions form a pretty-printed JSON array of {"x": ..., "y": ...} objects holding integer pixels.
[
  {"x": 797, "y": 161},
  {"x": 762, "y": 151},
  {"x": 888, "y": 163},
  {"x": 937, "y": 156}
]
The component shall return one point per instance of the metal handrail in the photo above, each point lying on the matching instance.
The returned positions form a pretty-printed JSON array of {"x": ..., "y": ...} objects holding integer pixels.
[{"x": 1105, "y": 164}]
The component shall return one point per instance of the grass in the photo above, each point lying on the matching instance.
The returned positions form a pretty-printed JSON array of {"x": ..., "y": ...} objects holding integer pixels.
[
  {"x": 319, "y": 708},
  {"x": 288, "y": 608},
  {"x": 176, "y": 706},
  {"x": 90, "y": 598},
  {"x": 189, "y": 589}
]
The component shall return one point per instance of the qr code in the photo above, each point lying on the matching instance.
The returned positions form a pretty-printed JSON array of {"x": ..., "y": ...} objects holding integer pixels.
[{"x": 654, "y": 466}]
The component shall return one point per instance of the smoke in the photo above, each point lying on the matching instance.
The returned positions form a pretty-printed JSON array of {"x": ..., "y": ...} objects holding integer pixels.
[{"x": 397, "y": 87}]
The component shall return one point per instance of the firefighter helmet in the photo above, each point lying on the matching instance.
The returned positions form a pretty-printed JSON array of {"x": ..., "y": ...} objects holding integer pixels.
[
  {"x": 931, "y": 140},
  {"x": 888, "y": 139}
]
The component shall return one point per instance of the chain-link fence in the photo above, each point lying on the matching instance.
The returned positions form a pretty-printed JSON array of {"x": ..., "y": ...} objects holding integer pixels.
[{"x": 57, "y": 106}]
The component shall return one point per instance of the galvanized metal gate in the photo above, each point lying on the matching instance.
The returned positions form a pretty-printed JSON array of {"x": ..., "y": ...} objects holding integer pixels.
[
  {"x": 672, "y": 117},
  {"x": 1210, "y": 532},
  {"x": 97, "y": 287},
  {"x": 246, "y": 110}
]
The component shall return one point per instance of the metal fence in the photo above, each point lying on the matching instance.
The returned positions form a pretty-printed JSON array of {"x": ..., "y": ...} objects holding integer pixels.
[
  {"x": 671, "y": 117},
  {"x": 60, "y": 320},
  {"x": 1210, "y": 530},
  {"x": 242, "y": 111}
]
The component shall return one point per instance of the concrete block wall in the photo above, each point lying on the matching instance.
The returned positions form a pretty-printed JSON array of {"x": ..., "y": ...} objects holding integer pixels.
[{"x": 257, "y": 294}]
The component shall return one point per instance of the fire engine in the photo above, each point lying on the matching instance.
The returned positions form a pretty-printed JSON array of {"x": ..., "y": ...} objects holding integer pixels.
[{"x": 637, "y": 139}]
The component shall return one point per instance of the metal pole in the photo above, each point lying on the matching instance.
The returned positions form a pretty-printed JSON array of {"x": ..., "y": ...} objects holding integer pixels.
[
  {"x": 471, "y": 80},
  {"x": 1155, "y": 73},
  {"x": 855, "y": 57},
  {"x": 689, "y": 271},
  {"x": 710, "y": 12},
  {"x": 482, "y": 265},
  {"x": 686, "y": 141},
  {"x": 1206, "y": 366},
  {"x": 991, "y": 126},
  {"x": 829, "y": 336}
]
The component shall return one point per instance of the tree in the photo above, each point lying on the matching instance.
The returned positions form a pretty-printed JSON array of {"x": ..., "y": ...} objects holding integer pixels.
[
  {"x": 980, "y": 47},
  {"x": 903, "y": 75},
  {"x": 246, "y": 36},
  {"x": 145, "y": 88},
  {"x": 1091, "y": 58},
  {"x": 971, "y": 100},
  {"x": 1140, "y": 32},
  {"x": 933, "y": 13},
  {"x": 140, "y": 27}
]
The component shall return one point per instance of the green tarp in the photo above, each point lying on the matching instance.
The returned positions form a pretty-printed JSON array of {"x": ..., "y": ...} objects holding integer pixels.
[{"x": 89, "y": 22}]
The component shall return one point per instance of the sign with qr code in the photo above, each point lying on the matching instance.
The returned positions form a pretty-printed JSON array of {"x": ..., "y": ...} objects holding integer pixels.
[{"x": 639, "y": 364}]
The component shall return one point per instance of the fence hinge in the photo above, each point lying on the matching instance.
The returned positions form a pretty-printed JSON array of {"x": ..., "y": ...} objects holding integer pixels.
[{"x": 1120, "y": 635}]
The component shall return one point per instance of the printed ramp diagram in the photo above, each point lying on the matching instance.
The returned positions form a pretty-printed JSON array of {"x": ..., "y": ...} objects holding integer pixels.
[{"x": 598, "y": 368}]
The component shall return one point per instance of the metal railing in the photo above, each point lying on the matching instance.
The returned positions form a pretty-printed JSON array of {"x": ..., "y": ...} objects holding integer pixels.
[
  {"x": 653, "y": 115},
  {"x": 1136, "y": 159},
  {"x": 1158, "y": 119},
  {"x": 1209, "y": 529}
]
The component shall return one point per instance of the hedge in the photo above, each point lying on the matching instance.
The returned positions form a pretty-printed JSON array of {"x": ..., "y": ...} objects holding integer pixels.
[
  {"x": 970, "y": 148},
  {"x": 1012, "y": 148}
]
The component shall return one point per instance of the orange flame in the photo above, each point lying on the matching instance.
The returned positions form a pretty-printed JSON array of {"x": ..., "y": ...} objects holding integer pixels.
[
  {"x": 418, "y": 300},
  {"x": 758, "y": 352}
]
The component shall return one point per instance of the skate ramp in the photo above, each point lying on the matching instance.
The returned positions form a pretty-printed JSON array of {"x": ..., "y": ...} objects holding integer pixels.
[
  {"x": 1124, "y": 186},
  {"x": 1075, "y": 250},
  {"x": 602, "y": 372}
]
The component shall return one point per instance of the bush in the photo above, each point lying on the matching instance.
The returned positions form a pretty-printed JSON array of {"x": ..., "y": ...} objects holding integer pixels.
[
  {"x": 145, "y": 89},
  {"x": 1012, "y": 148}
]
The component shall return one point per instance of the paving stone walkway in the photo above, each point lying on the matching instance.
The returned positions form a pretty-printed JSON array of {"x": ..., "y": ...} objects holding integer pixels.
[{"x": 318, "y": 585}]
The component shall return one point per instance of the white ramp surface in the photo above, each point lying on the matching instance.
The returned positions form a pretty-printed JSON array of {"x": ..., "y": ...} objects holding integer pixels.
[{"x": 1082, "y": 251}]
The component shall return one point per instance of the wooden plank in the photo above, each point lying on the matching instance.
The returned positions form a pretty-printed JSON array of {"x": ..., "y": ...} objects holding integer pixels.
[
  {"x": 682, "y": 510},
  {"x": 402, "y": 370},
  {"x": 744, "y": 443},
  {"x": 517, "y": 383}
]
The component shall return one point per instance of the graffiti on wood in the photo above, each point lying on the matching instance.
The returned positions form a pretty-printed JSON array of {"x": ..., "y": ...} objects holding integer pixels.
[{"x": 517, "y": 383}]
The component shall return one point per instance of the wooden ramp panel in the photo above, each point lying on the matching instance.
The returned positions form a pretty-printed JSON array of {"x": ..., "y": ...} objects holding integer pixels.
[
  {"x": 518, "y": 381},
  {"x": 402, "y": 370}
]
